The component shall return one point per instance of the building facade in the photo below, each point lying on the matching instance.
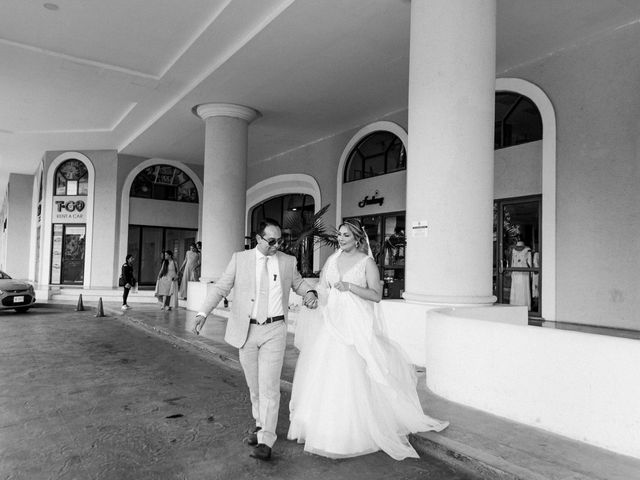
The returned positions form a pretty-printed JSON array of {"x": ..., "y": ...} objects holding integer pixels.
[{"x": 475, "y": 243}]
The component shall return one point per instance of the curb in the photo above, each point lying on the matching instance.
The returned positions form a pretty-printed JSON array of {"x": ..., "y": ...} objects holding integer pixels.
[{"x": 472, "y": 460}]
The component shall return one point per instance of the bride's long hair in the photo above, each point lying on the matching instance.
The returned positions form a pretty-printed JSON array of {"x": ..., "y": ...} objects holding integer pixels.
[{"x": 359, "y": 234}]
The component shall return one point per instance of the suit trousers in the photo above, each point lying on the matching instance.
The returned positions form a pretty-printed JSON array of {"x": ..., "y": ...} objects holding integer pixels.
[{"x": 261, "y": 358}]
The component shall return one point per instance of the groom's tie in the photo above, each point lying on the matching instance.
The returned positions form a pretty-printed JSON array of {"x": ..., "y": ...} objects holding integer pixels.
[{"x": 263, "y": 296}]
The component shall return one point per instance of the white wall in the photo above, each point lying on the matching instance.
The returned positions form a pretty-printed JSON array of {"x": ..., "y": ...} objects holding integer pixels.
[
  {"x": 144, "y": 211},
  {"x": 404, "y": 323},
  {"x": 18, "y": 234},
  {"x": 104, "y": 218},
  {"x": 393, "y": 187},
  {"x": 580, "y": 385},
  {"x": 518, "y": 171},
  {"x": 593, "y": 86}
]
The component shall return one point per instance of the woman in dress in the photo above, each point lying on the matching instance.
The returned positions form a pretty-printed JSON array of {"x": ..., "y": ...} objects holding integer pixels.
[
  {"x": 167, "y": 283},
  {"x": 188, "y": 269},
  {"x": 354, "y": 392}
]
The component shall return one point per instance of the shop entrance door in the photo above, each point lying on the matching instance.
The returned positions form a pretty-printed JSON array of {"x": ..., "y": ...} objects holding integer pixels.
[
  {"x": 517, "y": 275},
  {"x": 67, "y": 260},
  {"x": 147, "y": 244}
]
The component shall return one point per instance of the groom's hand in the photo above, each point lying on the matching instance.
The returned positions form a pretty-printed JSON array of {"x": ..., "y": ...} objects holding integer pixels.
[{"x": 200, "y": 319}]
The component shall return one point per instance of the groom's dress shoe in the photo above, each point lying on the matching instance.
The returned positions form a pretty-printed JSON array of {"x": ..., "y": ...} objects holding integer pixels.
[
  {"x": 262, "y": 452},
  {"x": 252, "y": 439}
]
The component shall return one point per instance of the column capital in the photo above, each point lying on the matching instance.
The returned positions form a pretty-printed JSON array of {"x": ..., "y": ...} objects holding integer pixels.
[{"x": 207, "y": 110}]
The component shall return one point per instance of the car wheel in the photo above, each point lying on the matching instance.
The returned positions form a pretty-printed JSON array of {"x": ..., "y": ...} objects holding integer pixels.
[{"x": 22, "y": 309}]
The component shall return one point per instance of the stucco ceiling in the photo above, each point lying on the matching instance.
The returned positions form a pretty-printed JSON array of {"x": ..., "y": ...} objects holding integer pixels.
[{"x": 124, "y": 74}]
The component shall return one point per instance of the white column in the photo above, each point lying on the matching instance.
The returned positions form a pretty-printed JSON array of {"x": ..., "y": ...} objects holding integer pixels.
[
  {"x": 225, "y": 184},
  {"x": 450, "y": 152}
]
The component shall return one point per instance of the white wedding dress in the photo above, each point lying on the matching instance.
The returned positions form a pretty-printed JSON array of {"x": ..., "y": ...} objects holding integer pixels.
[{"x": 354, "y": 392}]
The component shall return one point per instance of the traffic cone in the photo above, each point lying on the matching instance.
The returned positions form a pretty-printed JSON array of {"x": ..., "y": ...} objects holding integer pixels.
[
  {"x": 80, "y": 307},
  {"x": 100, "y": 309}
]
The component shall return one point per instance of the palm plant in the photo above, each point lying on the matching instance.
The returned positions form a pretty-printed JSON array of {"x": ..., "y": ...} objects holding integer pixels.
[{"x": 306, "y": 231}]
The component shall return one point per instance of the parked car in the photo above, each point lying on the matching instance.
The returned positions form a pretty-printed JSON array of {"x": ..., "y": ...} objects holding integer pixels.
[{"x": 15, "y": 294}]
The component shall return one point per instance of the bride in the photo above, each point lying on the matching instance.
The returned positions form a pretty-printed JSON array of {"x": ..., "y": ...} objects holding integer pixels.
[{"x": 354, "y": 392}]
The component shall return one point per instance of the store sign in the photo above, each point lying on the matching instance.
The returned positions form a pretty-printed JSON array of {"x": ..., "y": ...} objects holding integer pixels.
[
  {"x": 371, "y": 201},
  {"x": 69, "y": 209}
]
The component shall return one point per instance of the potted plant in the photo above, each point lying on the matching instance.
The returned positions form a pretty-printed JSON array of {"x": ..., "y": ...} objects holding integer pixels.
[{"x": 306, "y": 231}]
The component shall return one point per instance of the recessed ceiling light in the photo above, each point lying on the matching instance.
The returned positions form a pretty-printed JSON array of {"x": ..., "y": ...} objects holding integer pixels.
[{"x": 51, "y": 6}]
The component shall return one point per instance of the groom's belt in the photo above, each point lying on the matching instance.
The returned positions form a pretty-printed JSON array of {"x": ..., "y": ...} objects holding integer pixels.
[{"x": 277, "y": 318}]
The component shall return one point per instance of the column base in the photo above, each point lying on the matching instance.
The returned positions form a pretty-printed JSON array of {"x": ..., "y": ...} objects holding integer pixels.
[{"x": 453, "y": 300}]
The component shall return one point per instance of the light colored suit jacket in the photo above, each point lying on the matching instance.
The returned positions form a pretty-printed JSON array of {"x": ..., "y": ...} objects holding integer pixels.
[{"x": 240, "y": 275}]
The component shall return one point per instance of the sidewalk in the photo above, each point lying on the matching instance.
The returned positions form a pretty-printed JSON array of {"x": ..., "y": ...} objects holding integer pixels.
[{"x": 491, "y": 446}]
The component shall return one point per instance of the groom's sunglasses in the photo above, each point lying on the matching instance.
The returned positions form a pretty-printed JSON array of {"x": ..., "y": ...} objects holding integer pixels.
[{"x": 272, "y": 242}]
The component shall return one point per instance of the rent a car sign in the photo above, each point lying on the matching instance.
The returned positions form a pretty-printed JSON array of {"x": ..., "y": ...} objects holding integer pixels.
[{"x": 69, "y": 209}]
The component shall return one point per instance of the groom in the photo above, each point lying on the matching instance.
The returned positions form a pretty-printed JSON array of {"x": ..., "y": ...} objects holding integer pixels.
[{"x": 262, "y": 279}]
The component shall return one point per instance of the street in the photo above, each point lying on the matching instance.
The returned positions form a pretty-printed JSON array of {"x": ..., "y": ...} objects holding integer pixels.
[{"x": 96, "y": 398}]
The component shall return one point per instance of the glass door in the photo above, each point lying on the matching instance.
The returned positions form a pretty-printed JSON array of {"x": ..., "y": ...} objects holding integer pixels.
[
  {"x": 151, "y": 246},
  {"x": 178, "y": 241},
  {"x": 146, "y": 244},
  {"x": 73, "y": 244},
  {"x": 517, "y": 274}
]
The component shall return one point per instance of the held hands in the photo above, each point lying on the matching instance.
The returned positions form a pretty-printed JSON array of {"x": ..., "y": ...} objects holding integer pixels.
[
  {"x": 199, "y": 324},
  {"x": 310, "y": 300}
]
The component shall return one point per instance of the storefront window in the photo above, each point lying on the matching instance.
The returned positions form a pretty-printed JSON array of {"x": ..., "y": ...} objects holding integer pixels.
[
  {"x": 164, "y": 182},
  {"x": 72, "y": 178},
  {"x": 387, "y": 240},
  {"x": 517, "y": 273},
  {"x": 377, "y": 154}
]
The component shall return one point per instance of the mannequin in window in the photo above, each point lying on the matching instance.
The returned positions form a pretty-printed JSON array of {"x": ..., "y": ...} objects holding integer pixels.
[{"x": 520, "y": 286}]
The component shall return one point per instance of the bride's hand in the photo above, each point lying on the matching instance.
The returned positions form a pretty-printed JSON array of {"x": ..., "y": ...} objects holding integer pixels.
[{"x": 342, "y": 286}]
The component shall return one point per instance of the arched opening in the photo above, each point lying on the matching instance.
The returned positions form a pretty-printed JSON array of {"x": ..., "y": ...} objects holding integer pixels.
[
  {"x": 160, "y": 211},
  {"x": 69, "y": 227},
  {"x": 373, "y": 186},
  {"x": 279, "y": 185},
  {"x": 547, "y": 159},
  {"x": 517, "y": 219}
]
